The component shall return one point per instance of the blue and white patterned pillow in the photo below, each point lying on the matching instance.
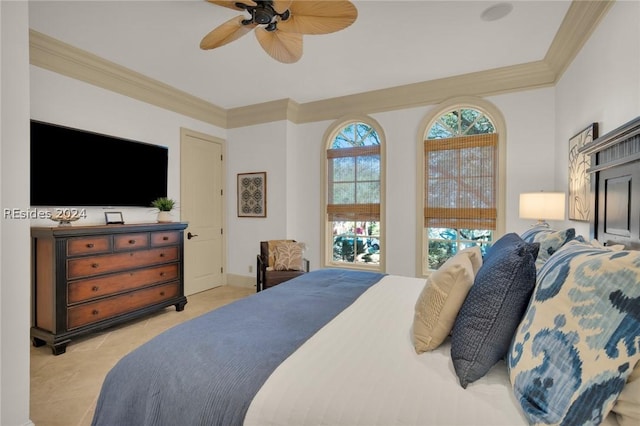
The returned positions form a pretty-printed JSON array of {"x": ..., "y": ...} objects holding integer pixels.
[
  {"x": 550, "y": 242},
  {"x": 531, "y": 233},
  {"x": 580, "y": 336}
]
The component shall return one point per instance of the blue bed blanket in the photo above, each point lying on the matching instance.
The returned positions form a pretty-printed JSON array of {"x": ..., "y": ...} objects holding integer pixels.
[{"x": 207, "y": 370}]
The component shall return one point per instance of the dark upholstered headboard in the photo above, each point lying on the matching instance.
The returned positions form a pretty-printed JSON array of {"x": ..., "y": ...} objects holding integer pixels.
[{"x": 615, "y": 185}]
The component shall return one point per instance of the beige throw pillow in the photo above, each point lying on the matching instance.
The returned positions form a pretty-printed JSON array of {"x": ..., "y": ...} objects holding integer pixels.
[
  {"x": 288, "y": 257},
  {"x": 273, "y": 245},
  {"x": 442, "y": 297}
]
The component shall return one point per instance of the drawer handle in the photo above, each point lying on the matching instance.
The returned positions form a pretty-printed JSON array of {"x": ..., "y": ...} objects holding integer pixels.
[
  {"x": 165, "y": 238},
  {"x": 95, "y": 265},
  {"x": 90, "y": 245},
  {"x": 95, "y": 288},
  {"x": 162, "y": 274},
  {"x": 95, "y": 312},
  {"x": 132, "y": 241},
  {"x": 161, "y": 254},
  {"x": 162, "y": 293}
]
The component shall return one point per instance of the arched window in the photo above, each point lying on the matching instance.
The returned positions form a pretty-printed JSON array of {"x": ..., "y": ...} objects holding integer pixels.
[
  {"x": 461, "y": 165},
  {"x": 354, "y": 197}
]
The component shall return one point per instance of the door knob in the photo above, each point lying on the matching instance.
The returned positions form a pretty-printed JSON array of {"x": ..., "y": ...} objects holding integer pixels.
[{"x": 190, "y": 235}]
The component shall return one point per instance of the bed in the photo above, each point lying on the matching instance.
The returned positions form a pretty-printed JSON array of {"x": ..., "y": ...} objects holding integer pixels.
[{"x": 340, "y": 347}]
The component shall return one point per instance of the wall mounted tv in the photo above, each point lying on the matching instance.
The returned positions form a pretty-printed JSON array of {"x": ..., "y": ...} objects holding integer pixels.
[{"x": 78, "y": 168}]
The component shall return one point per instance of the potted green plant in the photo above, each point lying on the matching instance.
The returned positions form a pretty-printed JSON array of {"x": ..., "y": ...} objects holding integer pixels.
[{"x": 164, "y": 206}]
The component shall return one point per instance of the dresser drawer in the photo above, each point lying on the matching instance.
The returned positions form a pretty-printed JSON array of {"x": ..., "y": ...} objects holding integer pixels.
[
  {"x": 82, "y": 290},
  {"x": 91, "y": 312},
  {"x": 164, "y": 238},
  {"x": 88, "y": 245},
  {"x": 131, "y": 241},
  {"x": 96, "y": 265}
]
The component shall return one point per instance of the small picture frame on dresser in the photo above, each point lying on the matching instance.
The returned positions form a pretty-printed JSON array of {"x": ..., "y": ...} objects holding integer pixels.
[{"x": 112, "y": 218}]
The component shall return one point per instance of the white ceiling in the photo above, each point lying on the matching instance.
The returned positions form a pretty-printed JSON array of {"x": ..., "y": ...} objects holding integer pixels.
[{"x": 391, "y": 43}]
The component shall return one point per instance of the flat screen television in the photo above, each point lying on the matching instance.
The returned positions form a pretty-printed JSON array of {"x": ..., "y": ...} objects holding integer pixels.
[{"x": 78, "y": 168}]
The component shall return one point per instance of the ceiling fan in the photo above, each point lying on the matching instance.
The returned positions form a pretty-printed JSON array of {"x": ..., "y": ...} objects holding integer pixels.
[{"x": 280, "y": 24}]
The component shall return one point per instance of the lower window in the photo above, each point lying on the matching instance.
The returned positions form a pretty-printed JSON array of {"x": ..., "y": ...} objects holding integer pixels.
[
  {"x": 356, "y": 242},
  {"x": 443, "y": 243}
]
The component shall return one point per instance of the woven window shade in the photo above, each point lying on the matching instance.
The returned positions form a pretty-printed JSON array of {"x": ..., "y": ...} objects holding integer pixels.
[
  {"x": 354, "y": 212},
  {"x": 460, "y": 182},
  {"x": 354, "y": 183}
]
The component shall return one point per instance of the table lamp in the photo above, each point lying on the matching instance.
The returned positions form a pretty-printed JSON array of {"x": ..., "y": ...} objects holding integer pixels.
[{"x": 542, "y": 206}]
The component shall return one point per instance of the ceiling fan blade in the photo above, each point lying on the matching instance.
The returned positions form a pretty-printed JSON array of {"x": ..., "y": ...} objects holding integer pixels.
[
  {"x": 232, "y": 4},
  {"x": 319, "y": 17},
  {"x": 281, "y": 46},
  {"x": 281, "y": 6},
  {"x": 231, "y": 30}
]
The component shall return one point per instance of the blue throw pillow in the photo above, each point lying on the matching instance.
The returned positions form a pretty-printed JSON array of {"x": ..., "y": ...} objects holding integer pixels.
[
  {"x": 490, "y": 314},
  {"x": 580, "y": 337}
]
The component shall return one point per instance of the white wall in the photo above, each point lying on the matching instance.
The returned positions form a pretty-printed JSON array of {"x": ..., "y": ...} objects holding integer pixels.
[
  {"x": 401, "y": 130},
  {"x": 602, "y": 85},
  {"x": 530, "y": 118},
  {"x": 61, "y": 100},
  {"x": 256, "y": 149},
  {"x": 292, "y": 157},
  {"x": 14, "y": 193}
]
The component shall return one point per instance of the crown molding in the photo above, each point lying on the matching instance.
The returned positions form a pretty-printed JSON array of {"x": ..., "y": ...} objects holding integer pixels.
[
  {"x": 500, "y": 80},
  {"x": 282, "y": 109},
  {"x": 579, "y": 23},
  {"x": 582, "y": 18},
  {"x": 491, "y": 82},
  {"x": 52, "y": 54}
]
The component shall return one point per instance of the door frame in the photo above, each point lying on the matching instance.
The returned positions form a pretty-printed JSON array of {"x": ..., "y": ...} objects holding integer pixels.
[{"x": 184, "y": 132}]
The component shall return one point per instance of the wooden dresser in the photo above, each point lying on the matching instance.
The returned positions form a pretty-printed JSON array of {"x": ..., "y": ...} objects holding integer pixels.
[{"x": 87, "y": 278}]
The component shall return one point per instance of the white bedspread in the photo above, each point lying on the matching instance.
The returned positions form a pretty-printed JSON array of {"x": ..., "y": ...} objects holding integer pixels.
[{"x": 361, "y": 369}]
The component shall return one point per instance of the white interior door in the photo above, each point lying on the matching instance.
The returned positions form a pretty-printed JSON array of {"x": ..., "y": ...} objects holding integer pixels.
[{"x": 202, "y": 205}]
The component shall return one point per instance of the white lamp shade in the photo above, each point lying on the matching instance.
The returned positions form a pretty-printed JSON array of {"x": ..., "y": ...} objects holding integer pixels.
[{"x": 542, "y": 205}]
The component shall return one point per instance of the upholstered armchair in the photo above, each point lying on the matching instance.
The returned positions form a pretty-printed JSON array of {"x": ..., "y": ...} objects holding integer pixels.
[{"x": 279, "y": 261}]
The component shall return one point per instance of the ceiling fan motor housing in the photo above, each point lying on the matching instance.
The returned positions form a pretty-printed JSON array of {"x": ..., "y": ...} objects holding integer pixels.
[{"x": 264, "y": 14}]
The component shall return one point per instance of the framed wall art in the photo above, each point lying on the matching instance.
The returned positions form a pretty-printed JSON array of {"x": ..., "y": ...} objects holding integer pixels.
[
  {"x": 579, "y": 180},
  {"x": 252, "y": 194}
]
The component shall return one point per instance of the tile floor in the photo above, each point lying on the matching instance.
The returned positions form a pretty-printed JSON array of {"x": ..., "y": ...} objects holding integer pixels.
[{"x": 64, "y": 388}]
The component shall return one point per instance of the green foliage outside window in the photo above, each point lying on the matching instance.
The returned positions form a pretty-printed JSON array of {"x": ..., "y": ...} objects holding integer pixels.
[
  {"x": 446, "y": 242},
  {"x": 356, "y": 242}
]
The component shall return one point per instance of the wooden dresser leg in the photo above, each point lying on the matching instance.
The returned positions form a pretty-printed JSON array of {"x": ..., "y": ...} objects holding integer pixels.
[
  {"x": 37, "y": 342},
  {"x": 59, "y": 348},
  {"x": 180, "y": 306}
]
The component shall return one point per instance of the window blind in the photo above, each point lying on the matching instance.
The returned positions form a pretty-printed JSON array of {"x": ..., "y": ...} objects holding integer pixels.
[
  {"x": 354, "y": 183},
  {"x": 460, "y": 177}
]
